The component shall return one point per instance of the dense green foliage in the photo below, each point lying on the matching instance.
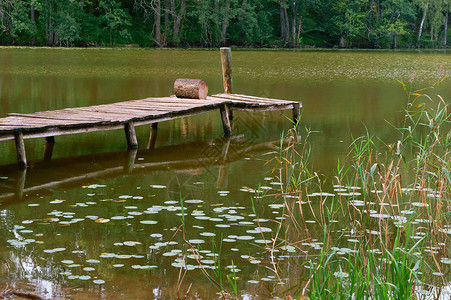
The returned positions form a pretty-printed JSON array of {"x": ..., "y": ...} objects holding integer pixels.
[{"x": 208, "y": 23}]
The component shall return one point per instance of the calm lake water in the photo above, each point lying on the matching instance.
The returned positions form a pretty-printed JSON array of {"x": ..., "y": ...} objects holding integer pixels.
[{"x": 101, "y": 222}]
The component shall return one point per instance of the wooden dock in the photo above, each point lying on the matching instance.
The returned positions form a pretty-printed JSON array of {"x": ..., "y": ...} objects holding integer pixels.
[{"x": 128, "y": 114}]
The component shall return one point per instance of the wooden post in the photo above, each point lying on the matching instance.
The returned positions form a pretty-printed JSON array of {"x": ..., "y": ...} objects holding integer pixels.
[
  {"x": 130, "y": 134},
  {"x": 296, "y": 113},
  {"x": 20, "y": 149},
  {"x": 225, "y": 120},
  {"x": 152, "y": 136},
  {"x": 226, "y": 62},
  {"x": 48, "y": 148}
]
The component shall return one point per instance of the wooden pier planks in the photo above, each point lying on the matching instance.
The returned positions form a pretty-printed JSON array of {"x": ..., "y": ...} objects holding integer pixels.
[
  {"x": 138, "y": 111},
  {"x": 127, "y": 115}
]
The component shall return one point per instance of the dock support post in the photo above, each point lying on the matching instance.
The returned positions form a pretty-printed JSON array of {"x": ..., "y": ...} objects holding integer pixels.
[
  {"x": 225, "y": 120},
  {"x": 20, "y": 149},
  {"x": 48, "y": 148},
  {"x": 152, "y": 136},
  {"x": 296, "y": 113},
  {"x": 130, "y": 134},
  {"x": 226, "y": 62}
]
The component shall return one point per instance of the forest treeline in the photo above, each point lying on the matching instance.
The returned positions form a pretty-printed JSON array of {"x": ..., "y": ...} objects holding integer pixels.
[{"x": 212, "y": 23}]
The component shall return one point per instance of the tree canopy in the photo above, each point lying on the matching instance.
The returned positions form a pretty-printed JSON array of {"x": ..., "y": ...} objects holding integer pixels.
[{"x": 212, "y": 23}]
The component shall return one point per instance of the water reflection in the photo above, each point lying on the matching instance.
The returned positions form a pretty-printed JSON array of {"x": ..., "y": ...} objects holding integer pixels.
[
  {"x": 91, "y": 226},
  {"x": 189, "y": 158}
]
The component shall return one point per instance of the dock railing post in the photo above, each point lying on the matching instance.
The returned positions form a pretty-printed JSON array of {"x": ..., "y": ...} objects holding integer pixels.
[{"x": 226, "y": 62}]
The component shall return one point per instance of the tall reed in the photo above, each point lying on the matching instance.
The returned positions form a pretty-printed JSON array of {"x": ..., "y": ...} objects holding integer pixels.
[{"x": 395, "y": 199}]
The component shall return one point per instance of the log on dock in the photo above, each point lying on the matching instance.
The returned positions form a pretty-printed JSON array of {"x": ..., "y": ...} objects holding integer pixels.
[{"x": 190, "y": 88}]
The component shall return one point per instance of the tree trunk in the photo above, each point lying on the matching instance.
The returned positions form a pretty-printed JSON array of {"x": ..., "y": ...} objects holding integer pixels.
[
  {"x": 243, "y": 20},
  {"x": 293, "y": 25},
  {"x": 225, "y": 23},
  {"x": 178, "y": 21},
  {"x": 2, "y": 16},
  {"x": 299, "y": 28},
  {"x": 56, "y": 39},
  {"x": 49, "y": 27},
  {"x": 166, "y": 22},
  {"x": 420, "y": 31},
  {"x": 287, "y": 25},
  {"x": 394, "y": 41},
  {"x": 342, "y": 43},
  {"x": 32, "y": 16},
  {"x": 284, "y": 21},
  {"x": 158, "y": 23},
  {"x": 446, "y": 26},
  {"x": 2, "y": 13}
]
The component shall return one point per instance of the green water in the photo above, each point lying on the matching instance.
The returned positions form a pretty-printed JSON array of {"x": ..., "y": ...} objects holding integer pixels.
[{"x": 93, "y": 178}]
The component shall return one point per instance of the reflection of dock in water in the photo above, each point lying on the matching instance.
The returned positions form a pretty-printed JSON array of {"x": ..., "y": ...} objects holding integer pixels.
[{"x": 64, "y": 173}]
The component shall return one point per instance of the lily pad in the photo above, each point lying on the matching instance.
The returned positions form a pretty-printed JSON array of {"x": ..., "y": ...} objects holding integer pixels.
[
  {"x": 93, "y": 261},
  {"x": 102, "y": 220},
  {"x": 245, "y": 238},
  {"x": 131, "y": 243},
  {"x": 67, "y": 261},
  {"x": 207, "y": 234},
  {"x": 98, "y": 281},
  {"x": 193, "y": 201},
  {"x": 148, "y": 222},
  {"x": 157, "y": 186},
  {"x": 222, "y": 225},
  {"x": 196, "y": 241}
]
